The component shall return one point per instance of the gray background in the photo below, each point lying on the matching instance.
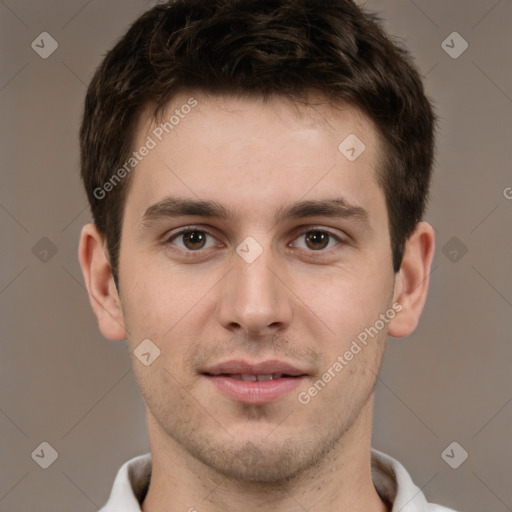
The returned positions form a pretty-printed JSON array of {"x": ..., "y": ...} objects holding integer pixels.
[{"x": 63, "y": 383}]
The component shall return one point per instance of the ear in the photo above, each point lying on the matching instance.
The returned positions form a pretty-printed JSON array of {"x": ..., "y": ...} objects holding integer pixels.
[
  {"x": 411, "y": 281},
  {"x": 97, "y": 273}
]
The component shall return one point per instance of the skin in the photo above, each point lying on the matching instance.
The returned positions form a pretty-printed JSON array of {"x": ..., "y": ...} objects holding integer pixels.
[{"x": 298, "y": 302}]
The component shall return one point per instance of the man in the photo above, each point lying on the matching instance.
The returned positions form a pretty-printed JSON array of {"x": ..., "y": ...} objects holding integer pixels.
[{"x": 257, "y": 172}]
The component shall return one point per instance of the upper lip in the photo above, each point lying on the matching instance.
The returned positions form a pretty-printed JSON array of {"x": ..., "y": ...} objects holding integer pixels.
[{"x": 270, "y": 367}]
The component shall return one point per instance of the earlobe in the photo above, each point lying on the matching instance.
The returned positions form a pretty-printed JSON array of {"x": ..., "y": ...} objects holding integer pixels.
[
  {"x": 412, "y": 280},
  {"x": 99, "y": 282}
]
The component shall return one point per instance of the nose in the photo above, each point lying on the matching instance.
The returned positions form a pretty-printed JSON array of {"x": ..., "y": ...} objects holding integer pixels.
[{"x": 255, "y": 298}]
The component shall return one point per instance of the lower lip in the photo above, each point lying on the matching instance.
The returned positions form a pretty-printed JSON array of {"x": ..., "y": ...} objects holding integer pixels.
[{"x": 255, "y": 392}]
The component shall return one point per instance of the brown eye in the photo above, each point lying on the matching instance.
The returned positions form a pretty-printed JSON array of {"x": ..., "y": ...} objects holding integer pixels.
[
  {"x": 317, "y": 239},
  {"x": 194, "y": 240},
  {"x": 191, "y": 240}
]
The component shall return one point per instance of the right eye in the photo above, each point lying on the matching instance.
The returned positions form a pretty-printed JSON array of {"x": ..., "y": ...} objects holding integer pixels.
[{"x": 191, "y": 239}]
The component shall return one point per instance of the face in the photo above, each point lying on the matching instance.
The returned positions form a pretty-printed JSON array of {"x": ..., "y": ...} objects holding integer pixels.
[{"x": 278, "y": 270}]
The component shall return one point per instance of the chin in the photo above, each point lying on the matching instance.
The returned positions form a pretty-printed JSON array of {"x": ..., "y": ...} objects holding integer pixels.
[{"x": 260, "y": 461}]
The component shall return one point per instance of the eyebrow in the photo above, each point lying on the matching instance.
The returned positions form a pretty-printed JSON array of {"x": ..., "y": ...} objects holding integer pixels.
[{"x": 181, "y": 207}]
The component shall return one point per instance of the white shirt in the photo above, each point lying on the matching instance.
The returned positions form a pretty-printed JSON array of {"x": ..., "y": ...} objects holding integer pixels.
[{"x": 391, "y": 480}]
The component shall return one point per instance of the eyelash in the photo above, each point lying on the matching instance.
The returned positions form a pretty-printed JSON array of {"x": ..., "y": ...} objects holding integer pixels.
[{"x": 191, "y": 229}]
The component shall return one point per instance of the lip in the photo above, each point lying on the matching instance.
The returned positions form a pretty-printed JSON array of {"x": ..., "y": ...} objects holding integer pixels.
[
  {"x": 263, "y": 368},
  {"x": 262, "y": 392},
  {"x": 255, "y": 392}
]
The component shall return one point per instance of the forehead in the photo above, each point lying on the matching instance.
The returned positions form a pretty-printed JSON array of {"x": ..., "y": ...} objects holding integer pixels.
[{"x": 250, "y": 152}]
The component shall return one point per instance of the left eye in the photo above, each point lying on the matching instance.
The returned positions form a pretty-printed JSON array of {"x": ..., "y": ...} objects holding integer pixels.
[{"x": 317, "y": 239}]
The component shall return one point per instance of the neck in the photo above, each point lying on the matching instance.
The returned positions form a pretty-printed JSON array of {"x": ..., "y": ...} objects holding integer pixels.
[{"x": 342, "y": 481}]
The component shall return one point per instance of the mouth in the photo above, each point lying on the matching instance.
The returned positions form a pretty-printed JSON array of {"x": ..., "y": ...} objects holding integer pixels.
[
  {"x": 254, "y": 378},
  {"x": 255, "y": 383}
]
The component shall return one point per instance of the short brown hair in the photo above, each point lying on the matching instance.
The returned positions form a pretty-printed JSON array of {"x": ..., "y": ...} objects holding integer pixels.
[{"x": 262, "y": 47}]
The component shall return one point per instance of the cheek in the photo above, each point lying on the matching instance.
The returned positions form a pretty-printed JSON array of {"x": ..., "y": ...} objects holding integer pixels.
[
  {"x": 160, "y": 386},
  {"x": 172, "y": 309},
  {"x": 348, "y": 301},
  {"x": 154, "y": 298}
]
